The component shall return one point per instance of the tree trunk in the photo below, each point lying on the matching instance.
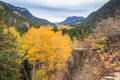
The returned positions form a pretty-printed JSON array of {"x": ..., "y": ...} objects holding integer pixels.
[
  {"x": 43, "y": 71},
  {"x": 33, "y": 73},
  {"x": 26, "y": 75}
]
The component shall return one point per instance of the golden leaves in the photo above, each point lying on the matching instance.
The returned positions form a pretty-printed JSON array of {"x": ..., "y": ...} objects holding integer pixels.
[
  {"x": 46, "y": 46},
  {"x": 99, "y": 43}
]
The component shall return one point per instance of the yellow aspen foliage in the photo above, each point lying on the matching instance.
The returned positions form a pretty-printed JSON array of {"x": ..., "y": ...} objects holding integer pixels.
[
  {"x": 16, "y": 35},
  {"x": 18, "y": 41},
  {"x": 77, "y": 43},
  {"x": 99, "y": 43},
  {"x": 50, "y": 48},
  {"x": 8, "y": 54},
  {"x": 39, "y": 75}
]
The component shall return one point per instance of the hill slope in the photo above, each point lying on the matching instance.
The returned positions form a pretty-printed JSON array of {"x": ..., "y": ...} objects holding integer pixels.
[
  {"x": 13, "y": 18},
  {"x": 86, "y": 63},
  {"x": 71, "y": 20},
  {"x": 24, "y": 12},
  {"x": 110, "y": 9}
]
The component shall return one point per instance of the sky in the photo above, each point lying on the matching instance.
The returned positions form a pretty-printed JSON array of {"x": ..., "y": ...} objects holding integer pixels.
[{"x": 58, "y": 10}]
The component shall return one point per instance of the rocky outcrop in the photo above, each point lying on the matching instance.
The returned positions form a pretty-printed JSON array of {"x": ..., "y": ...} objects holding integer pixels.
[
  {"x": 115, "y": 77},
  {"x": 93, "y": 65}
]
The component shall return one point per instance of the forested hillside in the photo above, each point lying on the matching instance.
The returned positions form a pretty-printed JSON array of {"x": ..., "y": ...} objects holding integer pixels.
[
  {"x": 13, "y": 18},
  {"x": 97, "y": 57},
  {"x": 24, "y": 12},
  {"x": 87, "y": 50}
]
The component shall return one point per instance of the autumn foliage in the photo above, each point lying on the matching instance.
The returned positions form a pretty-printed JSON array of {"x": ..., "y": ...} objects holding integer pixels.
[
  {"x": 46, "y": 47},
  {"x": 9, "y": 58}
]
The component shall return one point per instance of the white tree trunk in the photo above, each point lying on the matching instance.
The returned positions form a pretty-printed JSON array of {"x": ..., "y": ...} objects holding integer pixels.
[
  {"x": 33, "y": 72},
  {"x": 43, "y": 71}
]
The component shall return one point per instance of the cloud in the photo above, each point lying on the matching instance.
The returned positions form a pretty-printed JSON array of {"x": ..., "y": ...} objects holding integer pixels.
[{"x": 58, "y": 10}]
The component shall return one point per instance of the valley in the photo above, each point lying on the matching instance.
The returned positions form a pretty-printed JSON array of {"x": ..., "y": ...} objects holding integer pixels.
[{"x": 77, "y": 48}]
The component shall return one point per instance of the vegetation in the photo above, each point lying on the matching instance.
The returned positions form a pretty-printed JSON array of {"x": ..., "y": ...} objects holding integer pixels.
[
  {"x": 41, "y": 52},
  {"x": 9, "y": 58},
  {"x": 50, "y": 52},
  {"x": 34, "y": 53},
  {"x": 81, "y": 51},
  {"x": 13, "y": 18},
  {"x": 1, "y": 7},
  {"x": 78, "y": 32}
]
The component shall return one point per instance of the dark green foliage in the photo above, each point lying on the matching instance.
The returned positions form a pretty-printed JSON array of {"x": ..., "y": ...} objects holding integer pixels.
[
  {"x": 79, "y": 31},
  {"x": 8, "y": 65},
  {"x": 26, "y": 68},
  {"x": 8, "y": 54},
  {"x": 55, "y": 28},
  {"x": 22, "y": 29}
]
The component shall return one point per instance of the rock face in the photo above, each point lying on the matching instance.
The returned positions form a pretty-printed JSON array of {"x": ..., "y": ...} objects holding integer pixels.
[
  {"x": 76, "y": 69},
  {"x": 93, "y": 65},
  {"x": 115, "y": 77}
]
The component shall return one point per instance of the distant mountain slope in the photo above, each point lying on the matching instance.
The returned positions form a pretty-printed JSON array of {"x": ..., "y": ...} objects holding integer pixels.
[
  {"x": 13, "y": 18},
  {"x": 24, "y": 12},
  {"x": 110, "y": 9},
  {"x": 71, "y": 20}
]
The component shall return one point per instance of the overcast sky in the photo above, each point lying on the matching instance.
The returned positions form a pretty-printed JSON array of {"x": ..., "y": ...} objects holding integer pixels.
[{"x": 58, "y": 10}]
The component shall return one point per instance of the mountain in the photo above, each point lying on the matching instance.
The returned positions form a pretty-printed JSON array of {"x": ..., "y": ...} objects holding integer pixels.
[
  {"x": 13, "y": 18},
  {"x": 91, "y": 64},
  {"x": 24, "y": 12},
  {"x": 110, "y": 9},
  {"x": 71, "y": 20}
]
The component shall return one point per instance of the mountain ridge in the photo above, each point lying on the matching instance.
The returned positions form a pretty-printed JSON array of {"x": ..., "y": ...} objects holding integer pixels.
[
  {"x": 71, "y": 19},
  {"x": 110, "y": 9},
  {"x": 13, "y": 18},
  {"x": 24, "y": 12}
]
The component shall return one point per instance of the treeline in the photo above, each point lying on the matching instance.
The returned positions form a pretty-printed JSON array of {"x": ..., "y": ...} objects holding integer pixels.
[{"x": 79, "y": 31}]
